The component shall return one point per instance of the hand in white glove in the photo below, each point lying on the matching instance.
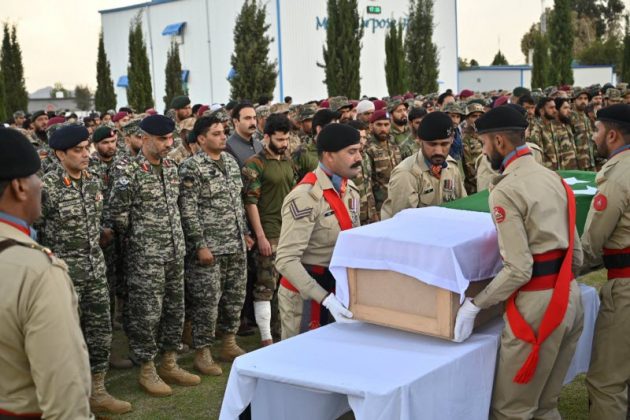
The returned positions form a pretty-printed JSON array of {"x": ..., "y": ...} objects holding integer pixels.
[
  {"x": 336, "y": 308},
  {"x": 465, "y": 320}
]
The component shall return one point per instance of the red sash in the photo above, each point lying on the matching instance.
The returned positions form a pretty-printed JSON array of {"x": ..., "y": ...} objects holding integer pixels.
[
  {"x": 554, "y": 314},
  {"x": 21, "y": 228}
]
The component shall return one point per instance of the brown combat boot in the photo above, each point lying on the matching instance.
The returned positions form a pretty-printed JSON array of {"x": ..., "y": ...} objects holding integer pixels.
[
  {"x": 151, "y": 382},
  {"x": 118, "y": 362},
  {"x": 101, "y": 401},
  {"x": 204, "y": 363},
  {"x": 230, "y": 350},
  {"x": 171, "y": 373}
]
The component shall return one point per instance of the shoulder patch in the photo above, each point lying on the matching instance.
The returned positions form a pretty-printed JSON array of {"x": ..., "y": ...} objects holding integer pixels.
[
  {"x": 498, "y": 213},
  {"x": 297, "y": 212},
  {"x": 600, "y": 202}
]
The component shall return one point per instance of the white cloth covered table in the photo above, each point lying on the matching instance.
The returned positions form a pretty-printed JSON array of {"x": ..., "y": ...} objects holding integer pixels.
[
  {"x": 378, "y": 372},
  {"x": 442, "y": 247}
]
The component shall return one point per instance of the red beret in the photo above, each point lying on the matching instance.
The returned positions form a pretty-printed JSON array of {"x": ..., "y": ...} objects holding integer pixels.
[
  {"x": 378, "y": 104},
  {"x": 55, "y": 120},
  {"x": 151, "y": 111},
  {"x": 354, "y": 103},
  {"x": 466, "y": 93},
  {"x": 502, "y": 100},
  {"x": 324, "y": 104},
  {"x": 381, "y": 114},
  {"x": 119, "y": 116},
  {"x": 202, "y": 109},
  {"x": 408, "y": 95}
]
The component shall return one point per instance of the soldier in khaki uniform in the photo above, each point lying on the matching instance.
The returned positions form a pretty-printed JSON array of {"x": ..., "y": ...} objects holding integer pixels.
[
  {"x": 431, "y": 176},
  {"x": 44, "y": 363},
  {"x": 313, "y": 214},
  {"x": 606, "y": 239},
  {"x": 540, "y": 248}
]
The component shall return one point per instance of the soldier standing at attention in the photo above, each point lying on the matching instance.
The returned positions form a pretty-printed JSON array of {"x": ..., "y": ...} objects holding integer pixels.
[
  {"x": 534, "y": 213},
  {"x": 40, "y": 335},
  {"x": 606, "y": 239},
  {"x": 143, "y": 208},
  {"x": 313, "y": 213},
  {"x": 363, "y": 180},
  {"x": 72, "y": 203}
]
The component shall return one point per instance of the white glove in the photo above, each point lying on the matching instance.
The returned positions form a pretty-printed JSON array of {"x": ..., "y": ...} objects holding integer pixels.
[
  {"x": 465, "y": 320},
  {"x": 336, "y": 308}
]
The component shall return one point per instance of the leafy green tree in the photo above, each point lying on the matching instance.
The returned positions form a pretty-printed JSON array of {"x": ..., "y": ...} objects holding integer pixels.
[
  {"x": 254, "y": 74},
  {"x": 173, "y": 72},
  {"x": 420, "y": 51},
  {"x": 473, "y": 63},
  {"x": 105, "y": 97},
  {"x": 83, "y": 97},
  {"x": 609, "y": 51},
  {"x": 395, "y": 66},
  {"x": 59, "y": 89},
  {"x": 499, "y": 59},
  {"x": 12, "y": 70},
  {"x": 343, "y": 49},
  {"x": 561, "y": 39},
  {"x": 540, "y": 62},
  {"x": 139, "y": 91}
]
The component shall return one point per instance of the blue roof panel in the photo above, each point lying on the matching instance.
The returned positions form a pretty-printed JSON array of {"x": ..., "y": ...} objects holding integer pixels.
[{"x": 174, "y": 28}]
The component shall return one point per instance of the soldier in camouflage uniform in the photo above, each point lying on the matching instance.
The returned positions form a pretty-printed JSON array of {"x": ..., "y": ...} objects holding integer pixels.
[
  {"x": 188, "y": 146},
  {"x": 262, "y": 113},
  {"x": 294, "y": 139},
  {"x": 583, "y": 131},
  {"x": 305, "y": 158},
  {"x": 39, "y": 121},
  {"x": 342, "y": 106},
  {"x": 363, "y": 180},
  {"x": 399, "y": 129},
  {"x": 268, "y": 177},
  {"x": 473, "y": 147},
  {"x": 553, "y": 137},
  {"x": 411, "y": 145},
  {"x": 613, "y": 96},
  {"x": 383, "y": 153},
  {"x": 214, "y": 225},
  {"x": 72, "y": 202},
  {"x": 305, "y": 121},
  {"x": 143, "y": 208}
]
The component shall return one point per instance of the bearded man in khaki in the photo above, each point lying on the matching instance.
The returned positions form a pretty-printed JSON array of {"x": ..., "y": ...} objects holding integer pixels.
[
  {"x": 606, "y": 239},
  {"x": 534, "y": 213},
  {"x": 324, "y": 203},
  {"x": 430, "y": 176}
]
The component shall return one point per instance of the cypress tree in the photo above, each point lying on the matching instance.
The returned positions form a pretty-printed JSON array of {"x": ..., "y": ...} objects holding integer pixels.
[
  {"x": 395, "y": 66},
  {"x": 3, "y": 99},
  {"x": 254, "y": 74},
  {"x": 173, "y": 73},
  {"x": 342, "y": 52},
  {"x": 104, "y": 98},
  {"x": 16, "y": 97},
  {"x": 139, "y": 92},
  {"x": 420, "y": 51},
  {"x": 561, "y": 39},
  {"x": 625, "y": 65},
  {"x": 499, "y": 59},
  {"x": 540, "y": 62}
]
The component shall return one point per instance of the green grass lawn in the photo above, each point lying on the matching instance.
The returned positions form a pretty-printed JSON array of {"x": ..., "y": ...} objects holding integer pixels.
[{"x": 204, "y": 401}]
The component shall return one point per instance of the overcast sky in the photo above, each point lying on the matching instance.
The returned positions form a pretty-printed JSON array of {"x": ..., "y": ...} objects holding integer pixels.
[{"x": 59, "y": 39}]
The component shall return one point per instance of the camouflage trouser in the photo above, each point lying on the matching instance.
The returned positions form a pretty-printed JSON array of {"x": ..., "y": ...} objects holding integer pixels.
[
  {"x": 93, "y": 293},
  {"x": 214, "y": 288},
  {"x": 266, "y": 274},
  {"x": 112, "y": 275},
  {"x": 155, "y": 306}
]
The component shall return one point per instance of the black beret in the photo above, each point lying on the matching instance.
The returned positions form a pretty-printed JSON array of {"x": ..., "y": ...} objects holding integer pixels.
[
  {"x": 324, "y": 117},
  {"x": 180, "y": 102},
  {"x": 502, "y": 118},
  {"x": 102, "y": 133},
  {"x": 435, "y": 126},
  {"x": 157, "y": 125},
  {"x": 618, "y": 114},
  {"x": 18, "y": 158},
  {"x": 519, "y": 108},
  {"x": 335, "y": 137},
  {"x": 38, "y": 114},
  {"x": 416, "y": 112},
  {"x": 68, "y": 136}
]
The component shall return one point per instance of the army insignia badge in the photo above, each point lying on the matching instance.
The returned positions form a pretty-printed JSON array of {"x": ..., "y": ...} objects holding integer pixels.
[
  {"x": 499, "y": 214},
  {"x": 600, "y": 202},
  {"x": 298, "y": 213}
]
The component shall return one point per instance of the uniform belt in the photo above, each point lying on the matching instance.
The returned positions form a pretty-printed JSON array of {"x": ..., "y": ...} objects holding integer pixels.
[
  {"x": 617, "y": 261},
  {"x": 545, "y": 271},
  {"x": 7, "y": 415},
  {"x": 314, "y": 269}
]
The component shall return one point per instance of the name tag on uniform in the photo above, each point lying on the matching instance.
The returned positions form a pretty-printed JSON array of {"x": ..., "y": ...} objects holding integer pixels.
[
  {"x": 329, "y": 213},
  {"x": 430, "y": 190}
]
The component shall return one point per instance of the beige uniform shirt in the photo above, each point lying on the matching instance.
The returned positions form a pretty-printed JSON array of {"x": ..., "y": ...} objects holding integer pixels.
[
  {"x": 44, "y": 365},
  {"x": 528, "y": 205},
  {"x": 485, "y": 173},
  {"x": 608, "y": 221},
  {"x": 411, "y": 185},
  {"x": 309, "y": 232}
]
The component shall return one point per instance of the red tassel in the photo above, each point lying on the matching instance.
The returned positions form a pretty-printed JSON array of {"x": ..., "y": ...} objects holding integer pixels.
[{"x": 527, "y": 371}]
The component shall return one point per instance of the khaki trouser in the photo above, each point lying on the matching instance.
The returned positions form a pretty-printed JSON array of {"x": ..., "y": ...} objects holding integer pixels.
[
  {"x": 609, "y": 372},
  {"x": 538, "y": 398},
  {"x": 291, "y": 306}
]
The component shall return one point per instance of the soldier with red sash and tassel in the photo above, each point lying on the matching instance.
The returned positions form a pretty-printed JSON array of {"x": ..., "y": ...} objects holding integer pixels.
[
  {"x": 534, "y": 213},
  {"x": 606, "y": 240},
  {"x": 323, "y": 204}
]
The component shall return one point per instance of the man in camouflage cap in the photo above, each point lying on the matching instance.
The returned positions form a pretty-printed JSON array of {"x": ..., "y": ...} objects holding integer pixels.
[
  {"x": 342, "y": 106},
  {"x": 613, "y": 96},
  {"x": 398, "y": 111},
  {"x": 558, "y": 148},
  {"x": 305, "y": 122},
  {"x": 262, "y": 113},
  {"x": 186, "y": 149},
  {"x": 473, "y": 147},
  {"x": 456, "y": 112},
  {"x": 582, "y": 130},
  {"x": 294, "y": 138}
]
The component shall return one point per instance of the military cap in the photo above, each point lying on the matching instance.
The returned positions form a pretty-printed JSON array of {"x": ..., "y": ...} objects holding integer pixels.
[
  {"x": 68, "y": 136},
  {"x": 221, "y": 114},
  {"x": 416, "y": 112},
  {"x": 180, "y": 102},
  {"x": 502, "y": 118},
  {"x": 306, "y": 112},
  {"x": 323, "y": 117},
  {"x": 279, "y": 108},
  {"x": 614, "y": 94},
  {"x": 435, "y": 126},
  {"x": 607, "y": 86},
  {"x": 577, "y": 91},
  {"x": 55, "y": 120},
  {"x": 618, "y": 114},
  {"x": 263, "y": 111},
  {"x": 18, "y": 158},
  {"x": 38, "y": 114},
  {"x": 381, "y": 114},
  {"x": 474, "y": 107},
  {"x": 157, "y": 125},
  {"x": 379, "y": 104},
  {"x": 520, "y": 91},
  {"x": 187, "y": 124},
  {"x": 466, "y": 93},
  {"x": 337, "y": 103},
  {"x": 519, "y": 108},
  {"x": 622, "y": 86},
  {"x": 453, "y": 108},
  {"x": 335, "y": 137},
  {"x": 102, "y": 133},
  {"x": 51, "y": 129},
  {"x": 132, "y": 127},
  {"x": 119, "y": 116},
  {"x": 395, "y": 103},
  {"x": 151, "y": 111},
  {"x": 202, "y": 109}
]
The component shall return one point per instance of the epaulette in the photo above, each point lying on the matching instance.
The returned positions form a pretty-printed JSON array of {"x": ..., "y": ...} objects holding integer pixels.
[{"x": 7, "y": 243}]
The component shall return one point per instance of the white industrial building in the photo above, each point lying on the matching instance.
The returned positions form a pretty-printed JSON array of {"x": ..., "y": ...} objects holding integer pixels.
[{"x": 204, "y": 30}]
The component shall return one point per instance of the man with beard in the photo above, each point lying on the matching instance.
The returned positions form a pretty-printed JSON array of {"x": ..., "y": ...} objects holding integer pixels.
[
  {"x": 363, "y": 180},
  {"x": 430, "y": 177},
  {"x": 384, "y": 155},
  {"x": 268, "y": 177},
  {"x": 305, "y": 122},
  {"x": 399, "y": 128},
  {"x": 533, "y": 210},
  {"x": 39, "y": 121},
  {"x": 242, "y": 145},
  {"x": 554, "y": 136},
  {"x": 365, "y": 109},
  {"x": 606, "y": 239},
  {"x": 583, "y": 131},
  {"x": 343, "y": 107},
  {"x": 182, "y": 107},
  {"x": 133, "y": 141},
  {"x": 412, "y": 144},
  {"x": 565, "y": 143},
  {"x": 324, "y": 203},
  {"x": 527, "y": 102}
]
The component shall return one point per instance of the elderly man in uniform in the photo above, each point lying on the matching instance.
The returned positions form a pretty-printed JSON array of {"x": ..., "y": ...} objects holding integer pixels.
[
  {"x": 429, "y": 177},
  {"x": 313, "y": 213},
  {"x": 606, "y": 239},
  {"x": 40, "y": 336},
  {"x": 534, "y": 213}
]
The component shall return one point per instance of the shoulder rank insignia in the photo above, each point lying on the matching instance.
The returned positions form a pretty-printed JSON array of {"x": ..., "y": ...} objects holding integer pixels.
[
  {"x": 66, "y": 181},
  {"x": 298, "y": 213},
  {"x": 145, "y": 167}
]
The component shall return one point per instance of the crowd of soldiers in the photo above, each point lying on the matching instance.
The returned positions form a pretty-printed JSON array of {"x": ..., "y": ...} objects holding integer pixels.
[{"x": 180, "y": 222}]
